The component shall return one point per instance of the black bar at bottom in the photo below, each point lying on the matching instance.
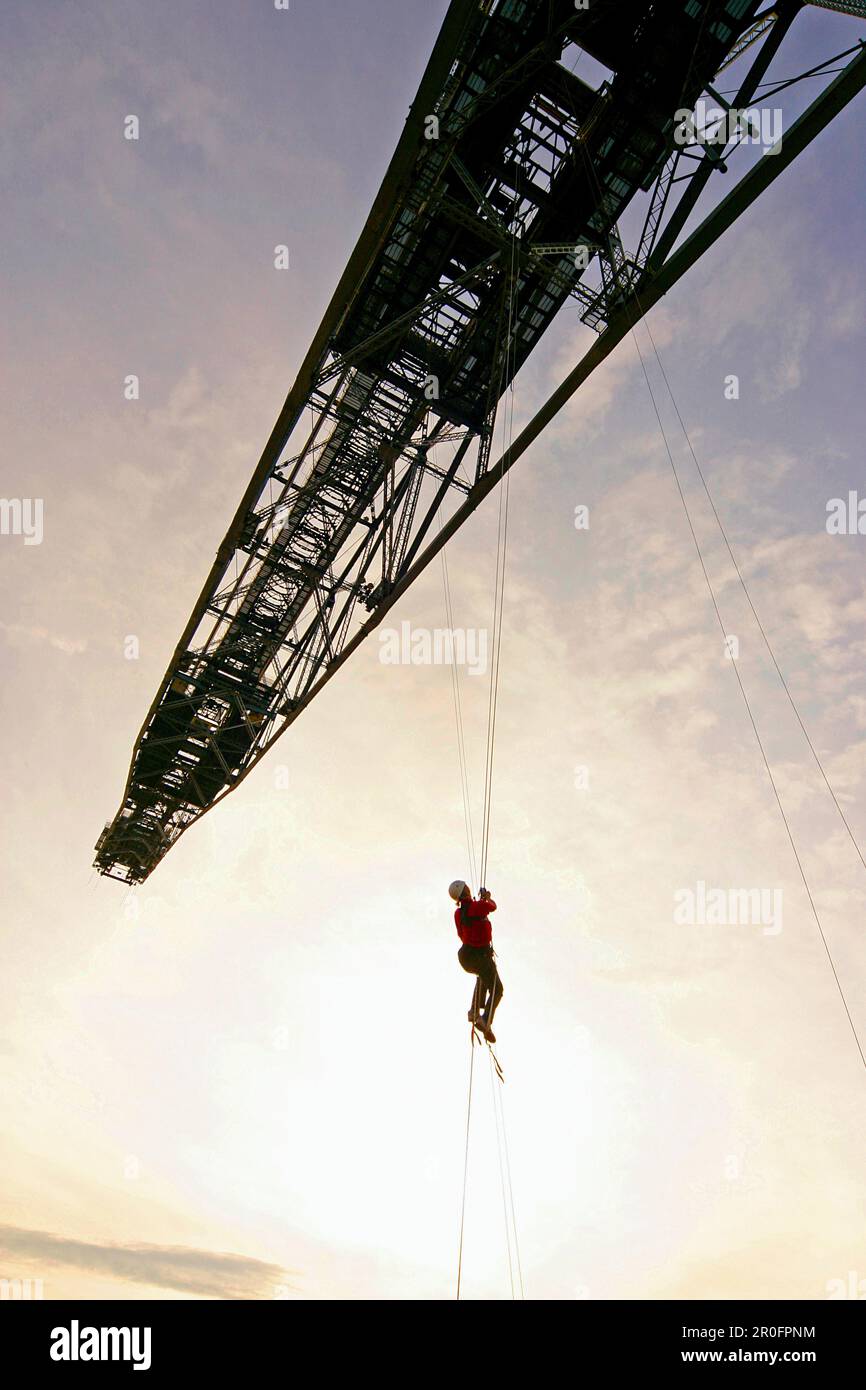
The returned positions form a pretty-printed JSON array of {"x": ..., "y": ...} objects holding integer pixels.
[{"x": 163, "y": 1340}]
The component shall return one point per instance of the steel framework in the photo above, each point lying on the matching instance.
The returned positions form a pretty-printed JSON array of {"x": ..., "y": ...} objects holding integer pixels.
[{"x": 504, "y": 193}]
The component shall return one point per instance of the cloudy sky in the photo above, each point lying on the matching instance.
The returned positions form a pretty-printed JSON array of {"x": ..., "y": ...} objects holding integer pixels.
[{"x": 248, "y": 1079}]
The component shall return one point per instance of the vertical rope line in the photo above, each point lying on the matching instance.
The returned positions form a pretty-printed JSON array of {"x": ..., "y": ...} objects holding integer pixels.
[
  {"x": 749, "y": 712},
  {"x": 465, "y": 1170},
  {"x": 495, "y": 690},
  {"x": 498, "y": 604},
  {"x": 458, "y": 715},
  {"x": 745, "y": 589},
  {"x": 509, "y": 365},
  {"x": 594, "y": 176},
  {"x": 501, "y": 1175},
  {"x": 511, "y": 1191},
  {"x": 496, "y": 627}
]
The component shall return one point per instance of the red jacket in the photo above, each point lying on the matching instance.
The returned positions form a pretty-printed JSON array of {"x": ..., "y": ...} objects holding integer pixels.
[{"x": 475, "y": 930}]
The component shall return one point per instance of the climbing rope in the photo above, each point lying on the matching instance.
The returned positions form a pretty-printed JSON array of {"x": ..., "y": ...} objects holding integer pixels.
[
  {"x": 745, "y": 589},
  {"x": 496, "y": 1073},
  {"x": 493, "y": 696},
  {"x": 789, "y": 832},
  {"x": 593, "y": 175},
  {"x": 473, "y": 1035},
  {"x": 500, "y": 1095},
  {"x": 496, "y": 1120},
  {"x": 458, "y": 716},
  {"x": 507, "y": 373},
  {"x": 495, "y": 1067},
  {"x": 465, "y": 1172}
]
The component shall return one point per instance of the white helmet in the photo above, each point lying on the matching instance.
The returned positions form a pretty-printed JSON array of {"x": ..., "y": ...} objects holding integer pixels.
[{"x": 456, "y": 889}]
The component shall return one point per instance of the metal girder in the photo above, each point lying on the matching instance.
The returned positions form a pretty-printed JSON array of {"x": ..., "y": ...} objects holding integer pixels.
[
  {"x": 757, "y": 31},
  {"x": 813, "y": 121},
  {"x": 713, "y": 158},
  {"x": 856, "y": 8},
  {"x": 377, "y": 341},
  {"x": 466, "y": 258}
]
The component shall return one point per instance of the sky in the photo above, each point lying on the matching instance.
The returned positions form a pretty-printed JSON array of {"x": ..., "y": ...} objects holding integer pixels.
[{"x": 248, "y": 1078}]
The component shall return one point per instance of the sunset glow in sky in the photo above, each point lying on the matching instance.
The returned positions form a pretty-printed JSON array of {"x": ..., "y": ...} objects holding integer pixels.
[{"x": 248, "y": 1077}]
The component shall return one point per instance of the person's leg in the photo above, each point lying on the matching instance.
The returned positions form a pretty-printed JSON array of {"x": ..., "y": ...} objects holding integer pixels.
[
  {"x": 495, "y": 988},
  {"x": 479, "y": 997},
  {"x": 472, "y": 961}
]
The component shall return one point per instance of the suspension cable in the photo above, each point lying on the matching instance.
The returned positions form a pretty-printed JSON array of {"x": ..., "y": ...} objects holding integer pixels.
[
  {"x": 465, "y": 1173},
  {"x": 747, "y": 703},
  {"x": 501, "y": 1174},
  {"x": 458, "y": 716},
  {"x": 502, "y": 1145},
  {"x": 501, "y": 1094},
  {"x": 745, "y": 589},
  {"x": 508, "y": 369},
  {"x": 594, "y": 177}
]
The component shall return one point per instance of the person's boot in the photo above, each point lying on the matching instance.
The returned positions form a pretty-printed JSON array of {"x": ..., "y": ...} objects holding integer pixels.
[
  {"x": 485, "y": 1028},
  {"x": 476, "y": 1012}
]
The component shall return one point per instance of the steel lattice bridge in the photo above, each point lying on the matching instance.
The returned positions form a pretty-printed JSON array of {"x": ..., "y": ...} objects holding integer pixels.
[{"x": 504, "y": 194}]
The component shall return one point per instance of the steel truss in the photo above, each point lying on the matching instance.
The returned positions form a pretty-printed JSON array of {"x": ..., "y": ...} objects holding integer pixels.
[{"x": 501, "y": 203}]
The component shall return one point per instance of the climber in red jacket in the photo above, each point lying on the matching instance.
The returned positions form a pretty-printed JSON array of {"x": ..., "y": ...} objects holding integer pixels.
[{"x": 476, "y": 953}]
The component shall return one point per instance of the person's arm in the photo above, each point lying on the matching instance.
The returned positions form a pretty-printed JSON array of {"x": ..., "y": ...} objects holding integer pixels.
[{"x": 485, "y": 901}]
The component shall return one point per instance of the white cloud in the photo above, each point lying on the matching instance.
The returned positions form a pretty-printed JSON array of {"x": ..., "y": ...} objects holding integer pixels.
[
  {"x": 205, "y": 1273},
  {"x": 26, "y": 634}
]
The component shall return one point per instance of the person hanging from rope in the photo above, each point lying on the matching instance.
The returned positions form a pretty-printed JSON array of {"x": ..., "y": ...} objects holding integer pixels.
[{"x": 476, "y": 953}]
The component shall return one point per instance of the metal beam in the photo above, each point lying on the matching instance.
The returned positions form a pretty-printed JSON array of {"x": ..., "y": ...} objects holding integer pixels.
[
  {"x": 397, "y": 177},
  {"x": 279, "y": 633},
  {"x": 712, "y": 158},
  {"x": 857, "y": 8},
  {"x": 810, "y": 124}
]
